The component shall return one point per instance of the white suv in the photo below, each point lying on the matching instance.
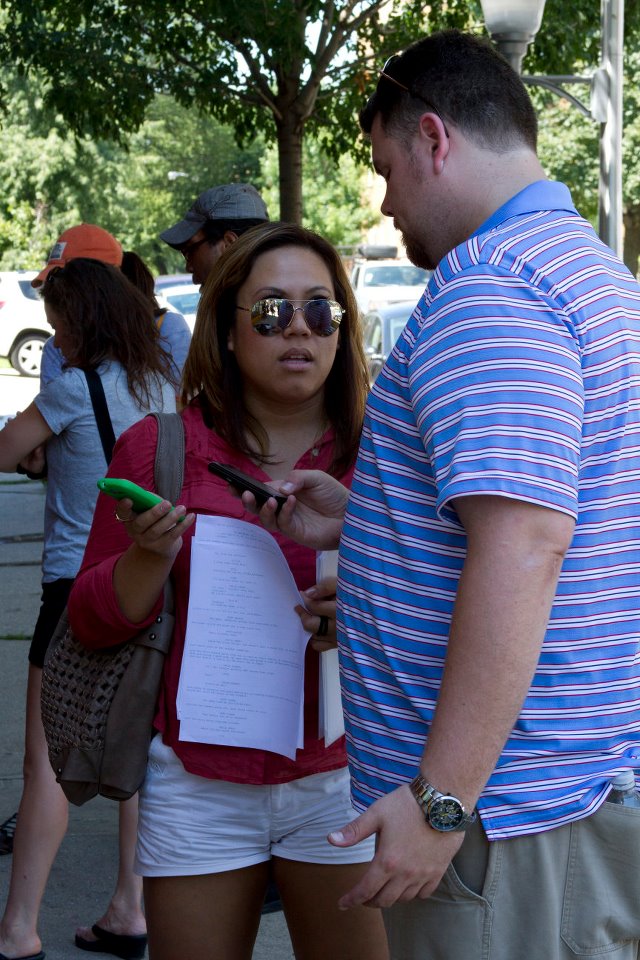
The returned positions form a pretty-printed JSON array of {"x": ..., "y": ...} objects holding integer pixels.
[
  {"x": 377, "y": 282},
  {"x": 23, "y": 324}
]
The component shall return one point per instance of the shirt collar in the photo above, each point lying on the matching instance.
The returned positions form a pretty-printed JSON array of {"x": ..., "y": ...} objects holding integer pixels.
[{"x": 541, "y": 195}]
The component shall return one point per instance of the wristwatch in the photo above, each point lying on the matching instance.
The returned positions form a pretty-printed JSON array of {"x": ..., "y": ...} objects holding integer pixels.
[{"x": 442, "y": 811}]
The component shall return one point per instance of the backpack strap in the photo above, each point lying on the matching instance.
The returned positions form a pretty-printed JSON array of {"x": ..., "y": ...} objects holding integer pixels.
[
  {"x": 168, "y": 469},
  {"x": 101, "y": 413}
]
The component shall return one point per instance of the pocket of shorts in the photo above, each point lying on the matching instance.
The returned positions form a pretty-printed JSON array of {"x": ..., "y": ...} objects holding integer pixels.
[
  {"x": 159, "y": 754},
  {"x": 601, "y": 909}
]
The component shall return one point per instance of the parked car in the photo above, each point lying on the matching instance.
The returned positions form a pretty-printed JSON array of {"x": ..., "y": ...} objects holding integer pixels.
[
  {"x": 181, "y": 297},
  {"x": 23, "y": 323},
  {"x": 378, "y": 282},
  {"x": 382, "y": 327},
  {"x": 171, "y": 280}
]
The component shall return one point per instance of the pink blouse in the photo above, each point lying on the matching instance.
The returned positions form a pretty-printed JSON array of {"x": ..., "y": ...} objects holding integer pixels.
[{"x": 97, "y": 621}]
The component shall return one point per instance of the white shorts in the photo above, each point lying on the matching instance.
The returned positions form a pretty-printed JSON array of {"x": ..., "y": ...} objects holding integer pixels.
[{"x": 189, "y": 825}]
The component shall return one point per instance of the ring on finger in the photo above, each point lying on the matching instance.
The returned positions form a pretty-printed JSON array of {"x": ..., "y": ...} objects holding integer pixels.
[
  {"x": 323, "y": 629},
  {"x": 121, "y": 519}
]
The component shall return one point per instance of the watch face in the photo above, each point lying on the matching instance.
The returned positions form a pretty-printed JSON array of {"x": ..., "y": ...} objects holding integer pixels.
[{"x": 445, "y": 813}]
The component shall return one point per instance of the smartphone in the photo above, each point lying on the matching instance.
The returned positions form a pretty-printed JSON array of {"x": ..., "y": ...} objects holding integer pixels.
[
  {"x": 242, "y": 481},
  {"x": 119, "y": 489}
]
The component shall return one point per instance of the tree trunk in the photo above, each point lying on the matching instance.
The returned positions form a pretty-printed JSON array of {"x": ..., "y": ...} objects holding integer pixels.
[
  {"x": 290, "y": 133},
  {"x": 631, "y": 219}
]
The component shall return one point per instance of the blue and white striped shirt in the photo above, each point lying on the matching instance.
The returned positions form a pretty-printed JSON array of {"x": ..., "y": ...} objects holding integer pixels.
[{"x": 517, "y": 375}]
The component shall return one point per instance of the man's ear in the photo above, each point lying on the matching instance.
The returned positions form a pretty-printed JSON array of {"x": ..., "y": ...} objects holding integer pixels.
[
  {"x": 228, "y": 238},
  {"x": 434, "y": 140}
]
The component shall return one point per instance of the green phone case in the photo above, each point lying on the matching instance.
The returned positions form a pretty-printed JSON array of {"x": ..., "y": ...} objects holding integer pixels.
[{"x": 118, "y": 489}]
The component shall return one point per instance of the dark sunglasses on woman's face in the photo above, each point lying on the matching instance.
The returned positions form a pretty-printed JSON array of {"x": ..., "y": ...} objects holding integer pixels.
[{"x": 274, "y": 314}]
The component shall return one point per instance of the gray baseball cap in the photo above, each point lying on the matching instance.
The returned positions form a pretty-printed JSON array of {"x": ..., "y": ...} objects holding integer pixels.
[{"x": 231, "y": 201}]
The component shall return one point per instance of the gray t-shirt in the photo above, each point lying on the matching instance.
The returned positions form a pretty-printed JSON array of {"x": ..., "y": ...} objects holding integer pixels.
[{"x": 75, "y": 459}]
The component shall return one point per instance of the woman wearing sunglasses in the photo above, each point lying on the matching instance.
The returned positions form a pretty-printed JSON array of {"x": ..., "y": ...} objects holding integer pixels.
[{"x": 275, "y": 379}]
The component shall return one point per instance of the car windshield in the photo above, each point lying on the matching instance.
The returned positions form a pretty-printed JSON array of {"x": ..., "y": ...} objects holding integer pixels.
[
  {"x": 396, "y": 275},
  {"x": 184, "y": 302}
]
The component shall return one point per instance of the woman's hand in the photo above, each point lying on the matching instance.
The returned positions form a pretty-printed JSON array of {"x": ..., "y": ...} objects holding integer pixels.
[
  {"x": 318, "y": 616},
  {"x": 140, "y": 574},
  {"x": 157, "y": 531},
  {"x": 314, "y": 510},
  {"x": 36, "y": 461}
]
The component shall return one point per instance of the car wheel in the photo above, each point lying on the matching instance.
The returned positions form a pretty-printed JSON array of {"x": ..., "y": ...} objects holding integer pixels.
[{"x": 27, "y": 354}]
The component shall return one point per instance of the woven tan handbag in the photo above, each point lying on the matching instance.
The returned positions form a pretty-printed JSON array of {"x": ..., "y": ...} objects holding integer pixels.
[{"x": 98, "y": 705}]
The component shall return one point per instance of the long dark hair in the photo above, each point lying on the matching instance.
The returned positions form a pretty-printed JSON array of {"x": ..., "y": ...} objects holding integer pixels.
[
  {"x": 136, "y": 270},
  {"x": 211, "y": 372},
  {"x": 107, "y": 318}
]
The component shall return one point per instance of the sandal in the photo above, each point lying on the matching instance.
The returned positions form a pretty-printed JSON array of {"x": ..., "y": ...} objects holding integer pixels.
[
  {"x": 32, "y": 956},
  {"x": 125, "y": 945},
  {"x": 7, "y": 831}
]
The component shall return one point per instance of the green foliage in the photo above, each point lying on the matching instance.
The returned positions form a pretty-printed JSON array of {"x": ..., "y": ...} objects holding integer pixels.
[
  {"x": 274, "y": 72},
  {"x": 280, "y": 68},
  {"x": 568, "y": 149},
  {"x": 52, "y": 180}
]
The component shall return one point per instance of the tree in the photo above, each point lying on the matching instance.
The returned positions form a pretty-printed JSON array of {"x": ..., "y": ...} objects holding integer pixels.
[
  {"x": 334, "y": 193},
  {"x": 283, "y": 70},
  {"x": 263, "y": 66}
]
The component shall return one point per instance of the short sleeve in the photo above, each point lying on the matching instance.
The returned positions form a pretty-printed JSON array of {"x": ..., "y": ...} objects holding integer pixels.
[{"x": 63, "y": 399}]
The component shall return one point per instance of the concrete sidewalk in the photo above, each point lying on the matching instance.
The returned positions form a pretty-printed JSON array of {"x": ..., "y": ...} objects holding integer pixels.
[{"x": 83, "y": 875}]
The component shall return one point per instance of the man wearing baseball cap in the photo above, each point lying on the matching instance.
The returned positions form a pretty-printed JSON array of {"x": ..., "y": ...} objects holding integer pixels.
[{"x": 217, "y": 218}]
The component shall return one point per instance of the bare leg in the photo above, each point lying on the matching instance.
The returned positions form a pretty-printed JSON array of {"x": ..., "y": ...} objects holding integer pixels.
[
  {"x": 318, "y": 930},
  {"x": 124, "y": 914},
  {"x": 216, "y": 915},
  {"x": 42, "y": 823}
]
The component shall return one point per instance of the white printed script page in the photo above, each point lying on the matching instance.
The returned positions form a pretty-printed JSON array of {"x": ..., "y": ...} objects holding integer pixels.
[{"x": 242, "y": 676}]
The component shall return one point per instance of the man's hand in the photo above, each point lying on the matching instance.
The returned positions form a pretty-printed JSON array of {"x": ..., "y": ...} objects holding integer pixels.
[
  {"x": 313, "y": 513},
  {"x": 318, "y": 615},
  {"x": 410, "y": 859}
]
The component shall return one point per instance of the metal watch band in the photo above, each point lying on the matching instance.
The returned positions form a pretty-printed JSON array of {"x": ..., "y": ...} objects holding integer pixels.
[
  {"x": 426, "y": 794},
  {"x": 422, "y": 791}
]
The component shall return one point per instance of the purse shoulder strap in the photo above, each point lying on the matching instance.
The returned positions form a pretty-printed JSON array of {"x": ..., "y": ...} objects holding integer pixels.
[
  {"x": 168, "y": 468},
  {"x": 101, "y": 413}
]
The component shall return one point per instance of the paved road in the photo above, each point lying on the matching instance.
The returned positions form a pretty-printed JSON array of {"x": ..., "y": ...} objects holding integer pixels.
[{"x": 82, "y": 876}]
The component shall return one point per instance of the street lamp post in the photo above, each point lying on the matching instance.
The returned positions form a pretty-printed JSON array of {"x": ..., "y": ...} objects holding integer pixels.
[{"x": 513, "y": 25}]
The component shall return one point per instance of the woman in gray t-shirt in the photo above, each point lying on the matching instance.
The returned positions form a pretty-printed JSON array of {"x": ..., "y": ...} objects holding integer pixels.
[{"x": 102, "y": 324}]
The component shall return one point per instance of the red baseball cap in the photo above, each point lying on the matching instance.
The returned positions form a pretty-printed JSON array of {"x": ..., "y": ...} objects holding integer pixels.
[{"x": 85, "y": 240}]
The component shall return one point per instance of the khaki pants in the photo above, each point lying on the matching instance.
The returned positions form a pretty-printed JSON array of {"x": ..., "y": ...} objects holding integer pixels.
[{"x": 568, "y": 893}]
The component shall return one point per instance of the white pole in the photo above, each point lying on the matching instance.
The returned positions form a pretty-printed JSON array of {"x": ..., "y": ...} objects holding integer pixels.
[{"x": 610, "y": 183}]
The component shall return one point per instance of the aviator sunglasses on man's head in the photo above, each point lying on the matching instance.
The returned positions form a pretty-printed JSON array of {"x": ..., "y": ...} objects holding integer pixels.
[
  {"x": 274, "y": 314},
  {"x": 412, "y": 93}
]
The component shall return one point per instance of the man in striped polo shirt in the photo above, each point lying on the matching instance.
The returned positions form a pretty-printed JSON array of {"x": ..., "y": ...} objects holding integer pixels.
[{"x": 489, "y": 578}]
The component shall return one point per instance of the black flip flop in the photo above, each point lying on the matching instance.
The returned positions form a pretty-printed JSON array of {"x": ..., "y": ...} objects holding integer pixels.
[
  {"x": 123, "y": 945},
  {"x": 7, "y": 831},
  {"x": 32, "y": 956}
]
